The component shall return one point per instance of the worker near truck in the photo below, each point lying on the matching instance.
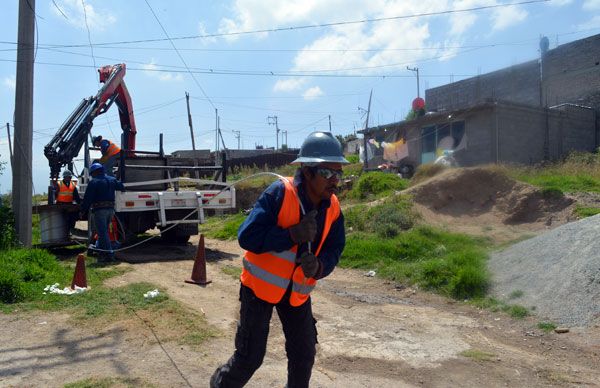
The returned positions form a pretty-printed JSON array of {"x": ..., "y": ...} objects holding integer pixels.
[
  {"x": 100, "y": 199},
  {"x": 110, "y": 153},
  {"x": 293, "y": 237},
  {"x": 66, "y": 193}
]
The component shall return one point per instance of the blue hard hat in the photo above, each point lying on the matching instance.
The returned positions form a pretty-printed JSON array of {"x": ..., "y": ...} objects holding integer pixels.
[
  {"x": 321, "y": 147},
  {"x": 95, "y": 167}
]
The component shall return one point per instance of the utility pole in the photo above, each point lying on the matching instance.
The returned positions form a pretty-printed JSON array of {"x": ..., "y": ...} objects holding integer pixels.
[
  {"x": 237, "y": 136},
  {"x": 366, "y": 162},
  {"x": 416, "y": 69},
  {"x": 9, "y": 145},
  {"x": 21, "y": 173},
  {"x": 187, "y": 101},
  {"x": 284, "y": 132},
  {"x": 329, "y": 123},
  {"x": 216, "y": 137},
  {"x": 274, "y": 122}
]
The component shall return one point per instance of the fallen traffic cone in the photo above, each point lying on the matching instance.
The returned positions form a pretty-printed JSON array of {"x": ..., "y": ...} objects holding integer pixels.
[
  {"x": 79, "y": 278},
  {"x": 199, "y": 270}
]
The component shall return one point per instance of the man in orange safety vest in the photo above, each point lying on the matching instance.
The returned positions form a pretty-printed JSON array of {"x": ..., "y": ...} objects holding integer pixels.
[
  {"x": 293, "y": 237},
  {"x": 66, "y": 192},
  {"x": 110, "y": 153}
]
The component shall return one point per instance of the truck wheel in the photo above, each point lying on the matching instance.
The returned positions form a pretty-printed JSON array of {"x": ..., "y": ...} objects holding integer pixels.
[{"x": 178, "y": 235}]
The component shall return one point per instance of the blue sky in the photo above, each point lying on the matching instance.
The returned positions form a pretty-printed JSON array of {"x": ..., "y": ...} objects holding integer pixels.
[{"x": 301, "y": 75}]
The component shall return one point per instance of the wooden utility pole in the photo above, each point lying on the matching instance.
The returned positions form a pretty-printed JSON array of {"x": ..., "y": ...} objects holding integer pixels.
[
  {"x": 274, "y": 122},
  {"x": 187, "y": 101},
  {"x": 21, "y": 173}
]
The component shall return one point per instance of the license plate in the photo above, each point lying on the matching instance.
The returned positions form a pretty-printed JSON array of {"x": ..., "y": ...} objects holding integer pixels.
[{"x": 178, "y": 202}]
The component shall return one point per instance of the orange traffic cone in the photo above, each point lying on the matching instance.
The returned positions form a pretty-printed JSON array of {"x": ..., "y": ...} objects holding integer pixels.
[
  {"x": 199, "y": 270},
  {"x": 79, "y": 278}
]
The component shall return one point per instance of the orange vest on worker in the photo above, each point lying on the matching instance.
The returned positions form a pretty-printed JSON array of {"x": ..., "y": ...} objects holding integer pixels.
[
  {"x": 268, "y": 274},
  {"x": 65, "y": 192},
  {"x": 112, "y": 149}
]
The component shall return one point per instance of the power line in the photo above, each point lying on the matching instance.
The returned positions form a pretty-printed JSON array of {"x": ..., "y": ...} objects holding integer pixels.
[
  {"x": 310, "y": 26},
  {"x": 179, "y": 54}
]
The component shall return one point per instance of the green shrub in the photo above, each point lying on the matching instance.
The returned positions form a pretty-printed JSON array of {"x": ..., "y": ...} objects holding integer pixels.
[
  {"x": 8, "y": 236},
  {"x": 353, "y": 158},
  {"x": 546, "y": 326},
  {"x": 469, "y": 282},
  {"x": 353, "y": 169},
  {"x": 377, "y": 183},
  {"x": 10, "y": 288},
  {"x": 386, "y": 219}
]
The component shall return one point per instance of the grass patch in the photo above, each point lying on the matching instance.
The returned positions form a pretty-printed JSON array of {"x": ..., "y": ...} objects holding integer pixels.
[
  {"x": 426, "y": 171},
  {"x": 376, "y": 185},
  {"x": 223, "y": 227},
  {"x": 386, "y": 219},
  {"x": 478, "y": 355},
  {"x": 495, "y": 305},
  {"x": 516, "y": 294},
  {"x": 578, "y": 172},
  {"x": 546, "y": 326},
  {"x": 583, "y": 211},
  {"x": 448, "y": 263},
  {"x": 109, "y": 382},
  {"x": 232, "y": 270}
]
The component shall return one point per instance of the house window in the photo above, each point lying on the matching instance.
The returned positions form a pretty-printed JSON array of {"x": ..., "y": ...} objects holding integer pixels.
[{"x": 429, "y": 140}]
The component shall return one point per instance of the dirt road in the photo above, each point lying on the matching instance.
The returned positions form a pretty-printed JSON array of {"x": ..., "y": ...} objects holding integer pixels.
[{"x": 372, "y": 333}]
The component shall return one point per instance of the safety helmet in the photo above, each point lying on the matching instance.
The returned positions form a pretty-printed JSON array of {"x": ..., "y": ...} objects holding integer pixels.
[
  {"x": 321, "y": 147},
  {"x": 95, "y": 167},
  {"x": 67, "y": 173},
  {"x": 96, "y": 138}
]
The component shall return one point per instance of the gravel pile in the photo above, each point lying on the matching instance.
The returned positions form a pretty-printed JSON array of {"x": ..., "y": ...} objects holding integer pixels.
[{"x": 556, "y": 274}]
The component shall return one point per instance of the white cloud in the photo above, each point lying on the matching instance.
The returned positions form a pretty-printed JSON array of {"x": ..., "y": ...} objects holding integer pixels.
[
  {"x": 152, "y": 70},
  {"x": 594, "y": 22},
  {"x": 289, "y": 85},
  {"x": 591, "y": 5},
  {"x": 97, "y": 20},
  {"x": 559, "y": 3},
  {"x": 370, "y": 48},
  {"x": 10, "y": 82},
  {"x": 202, "y": 31},
  {"x": 312, "y": 93},
  {"x": 508, "y": 16}
]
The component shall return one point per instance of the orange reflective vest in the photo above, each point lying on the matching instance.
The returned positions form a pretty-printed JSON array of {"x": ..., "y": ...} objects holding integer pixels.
[
  {"x": 269, "y": 274},
  {"x": 65, "y": 192},
  {"x": 112, "y": 149}
]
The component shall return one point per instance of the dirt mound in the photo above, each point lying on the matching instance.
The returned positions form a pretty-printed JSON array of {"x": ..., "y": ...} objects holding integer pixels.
[{"x": 486, "y": 198}]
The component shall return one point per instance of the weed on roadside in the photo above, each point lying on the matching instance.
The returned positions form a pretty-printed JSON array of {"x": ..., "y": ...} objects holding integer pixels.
[
  {"x": 478, "y": 355},
  {"x": 546, "y": 326}
]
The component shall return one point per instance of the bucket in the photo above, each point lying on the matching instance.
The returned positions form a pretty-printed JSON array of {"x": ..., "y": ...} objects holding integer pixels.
[{"x": 53, "y": 225}]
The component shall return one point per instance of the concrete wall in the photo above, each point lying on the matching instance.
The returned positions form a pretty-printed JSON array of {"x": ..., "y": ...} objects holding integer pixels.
[
  {"x": 519, "y": 83},
  {"x": 571, "y": 74}
]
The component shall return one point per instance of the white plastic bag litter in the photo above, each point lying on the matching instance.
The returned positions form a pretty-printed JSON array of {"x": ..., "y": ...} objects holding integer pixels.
[
  {"x": 53, "y": 289},
  {"x": 151, "y": 294},
  {"x": 370, "y": 274}
]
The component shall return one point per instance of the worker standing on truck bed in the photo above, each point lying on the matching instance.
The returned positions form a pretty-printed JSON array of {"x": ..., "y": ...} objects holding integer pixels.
[
  {"x": 100, "y": 198},
  {"x": 293, "y": 237},
  {"x": 110, "y": 153},
  {"x": 66, "y": 190}
]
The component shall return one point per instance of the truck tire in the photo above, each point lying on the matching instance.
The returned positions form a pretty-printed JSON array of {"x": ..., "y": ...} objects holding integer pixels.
[{"x": 180, "y": 234}]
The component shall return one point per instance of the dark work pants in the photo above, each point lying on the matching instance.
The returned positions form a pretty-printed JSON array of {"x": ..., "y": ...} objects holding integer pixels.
[{"x": 300, "y": 331}]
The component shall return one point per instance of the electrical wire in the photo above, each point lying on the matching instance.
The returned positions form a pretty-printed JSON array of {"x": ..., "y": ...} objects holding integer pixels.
[{"x": 311, "y": 26}]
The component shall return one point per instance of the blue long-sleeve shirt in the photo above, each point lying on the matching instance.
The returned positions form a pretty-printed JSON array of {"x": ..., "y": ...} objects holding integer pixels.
[
  {"x": 101, "y": 188},
  {"x": 260, "y": 233}
]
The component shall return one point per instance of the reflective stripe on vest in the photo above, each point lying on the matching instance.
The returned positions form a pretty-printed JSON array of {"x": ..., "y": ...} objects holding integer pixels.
[
  {"x": 112, "y": 149},
  {"x": 269, "y": 274},
  {"x": 65, "y": 193}
]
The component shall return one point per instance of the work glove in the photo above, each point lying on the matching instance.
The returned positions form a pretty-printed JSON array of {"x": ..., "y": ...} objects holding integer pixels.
[
  {"x": 305, "y": 230},
  {"x": 309, "y": 264}
]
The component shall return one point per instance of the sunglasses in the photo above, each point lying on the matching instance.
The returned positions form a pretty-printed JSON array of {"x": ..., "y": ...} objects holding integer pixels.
[{"x": 328, "y": 173}]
